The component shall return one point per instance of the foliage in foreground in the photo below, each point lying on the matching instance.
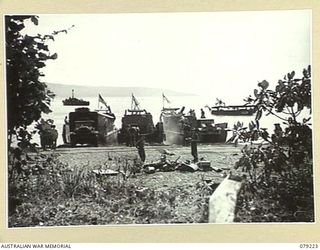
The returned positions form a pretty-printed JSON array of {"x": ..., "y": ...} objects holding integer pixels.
[
  {"x": 50, "y": 193},
  {"x": 27, "y": 96},
  {"x": 279, "y": 186}
]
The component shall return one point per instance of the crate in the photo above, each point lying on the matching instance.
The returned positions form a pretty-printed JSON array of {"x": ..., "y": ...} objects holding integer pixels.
[{"x": 204, "y": 165}]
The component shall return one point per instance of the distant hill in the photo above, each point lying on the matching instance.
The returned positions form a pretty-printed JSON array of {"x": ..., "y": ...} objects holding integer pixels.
[{"x": 64, "y": 91}]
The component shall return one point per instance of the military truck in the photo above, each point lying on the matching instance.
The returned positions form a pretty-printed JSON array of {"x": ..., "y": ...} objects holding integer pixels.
[
  {"x": 90, "y": 127},
  {"x": 136, "y": 122}
]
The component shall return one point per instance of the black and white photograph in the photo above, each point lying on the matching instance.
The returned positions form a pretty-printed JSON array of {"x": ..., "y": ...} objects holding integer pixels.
[{"x": 159, "y": 118}]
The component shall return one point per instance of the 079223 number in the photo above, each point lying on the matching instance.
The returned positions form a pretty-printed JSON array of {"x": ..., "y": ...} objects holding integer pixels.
[{"x": 309, "y": 245}]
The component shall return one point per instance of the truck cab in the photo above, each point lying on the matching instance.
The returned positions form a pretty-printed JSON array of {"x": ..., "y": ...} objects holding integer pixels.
[
  {"x": 89, "y": 127},
  {"x": 84, "y": 133}
]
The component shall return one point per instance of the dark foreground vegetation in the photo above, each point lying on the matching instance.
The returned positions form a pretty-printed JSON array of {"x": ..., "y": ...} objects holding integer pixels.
[
  {"x": 44, "y": 190},
  {"x": 279, "y": 183}
]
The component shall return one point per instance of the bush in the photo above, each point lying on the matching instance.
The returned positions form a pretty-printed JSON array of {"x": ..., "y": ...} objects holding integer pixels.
[{"x": 279, "y": 186}]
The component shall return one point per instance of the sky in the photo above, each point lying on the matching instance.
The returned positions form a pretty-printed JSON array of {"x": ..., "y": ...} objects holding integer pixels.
[{"x": 223, "y": 54}]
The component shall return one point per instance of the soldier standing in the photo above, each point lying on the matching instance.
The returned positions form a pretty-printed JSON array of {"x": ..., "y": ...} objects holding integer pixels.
[
  {"x": 203, "y": 114},
  {"x": 187, "y": 134},
  {"x": 54, "y": 136},
  {"x": 140, "y": 147},
  {"x": 194, "y": 141},
  {"x": 66, "y": 120}
]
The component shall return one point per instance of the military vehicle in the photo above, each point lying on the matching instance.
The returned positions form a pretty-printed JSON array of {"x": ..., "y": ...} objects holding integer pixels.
[
  {"x": 178, "y": 127},
  {"x": 210, "y": 132},
  {"x": 90, "y": 127},
  {"x": 136, "y": 122}
]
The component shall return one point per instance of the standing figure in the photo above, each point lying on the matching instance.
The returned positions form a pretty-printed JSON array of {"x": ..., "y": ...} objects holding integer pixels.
[
  {"x": 54, "y": 137},
  {"x": 66, "y": 120},
  {"x": 187, "y": 134},
  {"x": 140, "y": 147},
  {"x": 203, "y": 114},
  {"x": 194, "y": 141},
  {"x": 64, "y": 131}
]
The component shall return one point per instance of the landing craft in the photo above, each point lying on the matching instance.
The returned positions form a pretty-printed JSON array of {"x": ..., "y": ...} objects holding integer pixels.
[
  {"x": 221, "y": 108},
  {"x": 90, "y": 127},
  {"x": 177, "y": 127},
  {"x": 136, "y": 122}
]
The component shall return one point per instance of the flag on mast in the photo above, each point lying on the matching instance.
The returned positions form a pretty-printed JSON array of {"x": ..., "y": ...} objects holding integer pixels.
[
  {"x": 134, "y": 104},
  {"x": 102, "y": 100},
  {"x": 165, "y": 98}
]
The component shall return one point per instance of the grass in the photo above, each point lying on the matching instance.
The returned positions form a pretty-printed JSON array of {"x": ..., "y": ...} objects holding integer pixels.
[{"x": 52, "y": 193}]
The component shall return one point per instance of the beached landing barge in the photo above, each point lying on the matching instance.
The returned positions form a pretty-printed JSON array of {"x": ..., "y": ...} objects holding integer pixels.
[
  {"x": 90, "y": 127},
  {"x": 137, "y": 122},
  {"x": 178, "y": 127}
]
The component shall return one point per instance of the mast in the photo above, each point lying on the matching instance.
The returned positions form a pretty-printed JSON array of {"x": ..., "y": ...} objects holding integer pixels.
[{"x": 162, "y": 101}]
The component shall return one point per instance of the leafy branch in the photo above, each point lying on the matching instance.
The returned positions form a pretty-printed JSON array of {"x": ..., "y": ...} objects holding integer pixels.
[
  {"x": 283, "y": 167},
  {"x": 27, "y": 96}
]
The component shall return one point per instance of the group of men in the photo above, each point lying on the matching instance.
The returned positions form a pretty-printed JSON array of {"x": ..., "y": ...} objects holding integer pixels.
[{"x": 48, "y": 137}]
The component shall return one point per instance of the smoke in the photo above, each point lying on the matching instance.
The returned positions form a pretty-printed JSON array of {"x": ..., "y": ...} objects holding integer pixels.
[{"x": 173, "y": 129}]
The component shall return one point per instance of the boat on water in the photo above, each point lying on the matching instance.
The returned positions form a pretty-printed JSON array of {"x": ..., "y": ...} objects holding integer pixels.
[
  {"x": 178, "y": 127},
  {"x": 233, "y": 110},
  {"x": 72, "y": 101},
  {"x": 137, "y": 122},
  {"x": 221, "y": 109}
]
